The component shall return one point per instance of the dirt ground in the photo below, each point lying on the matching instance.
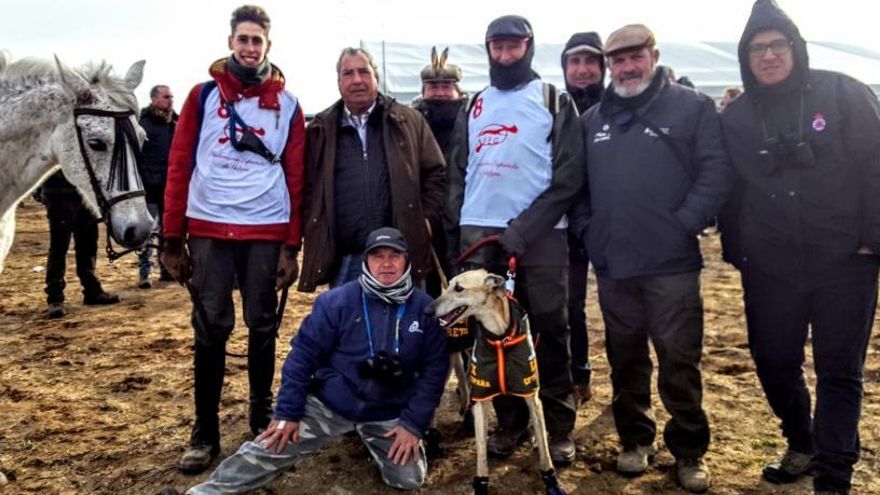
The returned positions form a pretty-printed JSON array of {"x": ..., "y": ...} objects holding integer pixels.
[{"x": 100, "y": 401}]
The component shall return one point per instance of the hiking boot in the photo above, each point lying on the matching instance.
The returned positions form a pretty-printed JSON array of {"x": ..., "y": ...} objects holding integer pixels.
[
  {"x": 693, "y": 474},
  {"x": 503, "y": 442},
  {"x": 100, "y": 298},
  {"x": 144, "y": 283},
  {"x": 197, "y": 458},
  {"x": 562, "y": 449},
  {"x": 634, "y": 461},
  {"x": 55, "y": 310},
  {"x": 789, "y": 468}
]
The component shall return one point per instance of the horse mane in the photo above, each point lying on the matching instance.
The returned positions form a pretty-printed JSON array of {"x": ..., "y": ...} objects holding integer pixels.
[{"x": 29, "y": 73}]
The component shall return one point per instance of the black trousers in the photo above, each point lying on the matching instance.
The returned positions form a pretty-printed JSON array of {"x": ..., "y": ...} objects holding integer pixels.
[
  {"x": 68, "y": 217},
  {"x": 578, "y": 269},
  {"x": 216, "y": 264},
  {"x": 669, "y": 311},
  {"x": 836, "y": 308},
  {"x": 543, "y": 291}
]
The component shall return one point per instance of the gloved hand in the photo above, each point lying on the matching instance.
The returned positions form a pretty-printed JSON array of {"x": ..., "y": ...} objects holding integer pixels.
[
  {"x": 288, "y": 267},
  {"x": 175, "y": 257},
  {"x": 512, "y": 243}
]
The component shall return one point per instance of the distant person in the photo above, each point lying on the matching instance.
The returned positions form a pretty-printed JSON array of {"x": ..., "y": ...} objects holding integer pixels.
[
  {"x": 730, "y": 94},
  {"x": 584, "y": 68},
  {"x": 803, "y": 228},
  {"x": 232, "y": 212},
  {"x": 367, "y": 360},
  {"x": 159, "y": 120},
  {"x": 657, "y": 173},
  {"x": 69, "y": 217},
  {"x": 371, "y": 162}
]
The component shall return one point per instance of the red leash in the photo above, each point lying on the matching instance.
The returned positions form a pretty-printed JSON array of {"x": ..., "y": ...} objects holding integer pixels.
[{"x": 511, "y": 261}]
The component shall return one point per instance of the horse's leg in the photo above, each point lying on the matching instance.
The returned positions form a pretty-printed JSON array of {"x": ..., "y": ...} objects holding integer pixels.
[
  {"x": 536, "y": 413},
  {"x": 481, "y": 480},
  {"x": 7, "y": 232}
]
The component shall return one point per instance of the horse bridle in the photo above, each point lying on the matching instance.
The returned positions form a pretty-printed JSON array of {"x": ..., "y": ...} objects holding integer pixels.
[{"x": 119, "y": 176}]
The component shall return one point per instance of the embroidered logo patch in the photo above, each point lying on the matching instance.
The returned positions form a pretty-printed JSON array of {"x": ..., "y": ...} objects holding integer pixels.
[
  {"x": 819, "y": 122},
  {"x": 414, "y": 328}
]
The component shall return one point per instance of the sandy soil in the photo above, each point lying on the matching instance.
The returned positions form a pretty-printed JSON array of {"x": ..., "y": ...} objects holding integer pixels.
[{"x": 100, "y": 401}]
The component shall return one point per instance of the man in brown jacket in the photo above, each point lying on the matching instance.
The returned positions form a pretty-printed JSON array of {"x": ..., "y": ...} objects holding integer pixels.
[{"x": 370, "y": 163}]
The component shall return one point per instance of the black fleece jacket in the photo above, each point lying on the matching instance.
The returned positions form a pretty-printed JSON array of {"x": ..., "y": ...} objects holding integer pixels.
[{"x": 806, "y": 153}]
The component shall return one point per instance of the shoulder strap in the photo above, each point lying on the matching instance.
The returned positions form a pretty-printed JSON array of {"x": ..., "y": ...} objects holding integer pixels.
[
  {"x": 207, "y": 87},
  {"x": 551, "y": 99}
]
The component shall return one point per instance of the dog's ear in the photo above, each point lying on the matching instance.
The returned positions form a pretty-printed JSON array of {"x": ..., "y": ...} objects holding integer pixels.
[{"x": 495, "y": 282}]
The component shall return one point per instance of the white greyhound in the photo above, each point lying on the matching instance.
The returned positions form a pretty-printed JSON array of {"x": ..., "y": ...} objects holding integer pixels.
[
  {"x": 503, "y": 361},
  {"x": 83, "y": 121}
]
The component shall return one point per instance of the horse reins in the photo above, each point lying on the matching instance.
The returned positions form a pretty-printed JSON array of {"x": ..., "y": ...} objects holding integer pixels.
[{"x": 119, "y": 176}]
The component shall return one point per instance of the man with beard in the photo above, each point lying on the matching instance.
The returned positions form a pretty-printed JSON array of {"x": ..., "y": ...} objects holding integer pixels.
[
  {"x": 584, "y": 69},
  {"x": 657, "y": 174},
  {"x": 515, "y": 170},
  {"x": 804, "y": 230},
  {"x": 158, "y": 120}
]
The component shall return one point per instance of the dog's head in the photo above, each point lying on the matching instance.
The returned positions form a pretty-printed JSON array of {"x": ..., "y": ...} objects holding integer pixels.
[{"x": 472, "y": 293}]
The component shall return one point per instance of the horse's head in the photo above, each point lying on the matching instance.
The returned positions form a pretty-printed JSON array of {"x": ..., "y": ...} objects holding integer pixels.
[{"x": 99, "y": 145}]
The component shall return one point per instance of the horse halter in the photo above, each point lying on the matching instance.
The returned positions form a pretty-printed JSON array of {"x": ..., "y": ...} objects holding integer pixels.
[{"x": 118, "y": 179}]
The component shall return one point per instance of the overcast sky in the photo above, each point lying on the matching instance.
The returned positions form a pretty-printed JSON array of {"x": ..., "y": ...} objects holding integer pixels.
[{"x": 179, "y": 39}]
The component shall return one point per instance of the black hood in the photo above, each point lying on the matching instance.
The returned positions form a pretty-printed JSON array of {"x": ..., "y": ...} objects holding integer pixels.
[
  {"x": 584, "y": 98},
  {"x": 766, "y": 14}
]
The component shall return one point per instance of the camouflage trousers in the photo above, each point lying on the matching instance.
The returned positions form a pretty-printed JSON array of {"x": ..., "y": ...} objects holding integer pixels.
[{"x": 253, "y": 466}]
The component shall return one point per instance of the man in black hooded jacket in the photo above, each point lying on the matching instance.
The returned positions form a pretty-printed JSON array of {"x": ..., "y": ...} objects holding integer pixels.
[
  {"x": 804, "y": 230},
  {"x": 514, "y": 171},
  {"x": 584, "y": 68}
]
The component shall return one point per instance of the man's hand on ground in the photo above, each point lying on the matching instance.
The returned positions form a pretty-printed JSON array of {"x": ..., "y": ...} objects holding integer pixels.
[
  {"x": 279, "y": 433},
  {"x": 405, "y": 446}
]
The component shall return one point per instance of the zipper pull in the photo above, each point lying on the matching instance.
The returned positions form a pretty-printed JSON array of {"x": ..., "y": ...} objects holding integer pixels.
[{"x": 277, "y": 118}]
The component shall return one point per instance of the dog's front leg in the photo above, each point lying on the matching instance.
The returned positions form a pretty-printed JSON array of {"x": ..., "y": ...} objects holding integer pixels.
[
  {"x": 464, "y": 393},
  {"x": 548, "y": 474},
  {"x": 481, "y": 480}
]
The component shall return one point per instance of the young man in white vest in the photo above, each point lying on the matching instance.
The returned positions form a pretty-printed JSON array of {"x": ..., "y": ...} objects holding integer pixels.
[
  {"x": 515, "y": 169},
  {"x": 232, "y": 211}
]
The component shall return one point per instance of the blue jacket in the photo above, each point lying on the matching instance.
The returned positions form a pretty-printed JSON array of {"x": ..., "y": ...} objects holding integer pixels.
[{"x": 332, "y": 342}]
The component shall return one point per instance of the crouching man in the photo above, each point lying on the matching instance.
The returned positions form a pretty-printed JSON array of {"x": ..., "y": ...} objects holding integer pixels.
[{"x": 367, "y": 360}]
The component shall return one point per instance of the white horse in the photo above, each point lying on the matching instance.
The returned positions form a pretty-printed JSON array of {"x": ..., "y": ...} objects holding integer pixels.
[{"x": 82, "y": 120}]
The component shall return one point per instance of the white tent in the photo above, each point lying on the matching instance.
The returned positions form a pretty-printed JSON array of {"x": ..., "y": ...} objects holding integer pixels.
[{"x": 712, "y": 66}]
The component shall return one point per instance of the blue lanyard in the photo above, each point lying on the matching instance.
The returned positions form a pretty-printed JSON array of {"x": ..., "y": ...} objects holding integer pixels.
[{"x": 401, "y": 309}]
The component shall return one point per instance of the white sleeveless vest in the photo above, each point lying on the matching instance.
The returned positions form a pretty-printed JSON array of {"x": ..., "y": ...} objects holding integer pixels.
[
  {"x": 510, "y": 159},
  {"x": 241, "y": 187}
]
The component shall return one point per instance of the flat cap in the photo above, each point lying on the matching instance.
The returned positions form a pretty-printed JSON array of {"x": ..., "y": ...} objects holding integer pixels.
[
  {"x": 629, "y": 37},
  {"x": 509, "y": 26}
]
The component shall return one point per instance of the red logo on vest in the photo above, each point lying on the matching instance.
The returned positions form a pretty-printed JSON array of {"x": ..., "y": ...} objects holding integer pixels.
[
  {"x": 494, "y": 134},
  {"x": 239, "y": 132}
]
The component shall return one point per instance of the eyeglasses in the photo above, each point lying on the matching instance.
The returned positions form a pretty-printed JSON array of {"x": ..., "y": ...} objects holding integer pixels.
[{"x": 777, "y": 47}]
